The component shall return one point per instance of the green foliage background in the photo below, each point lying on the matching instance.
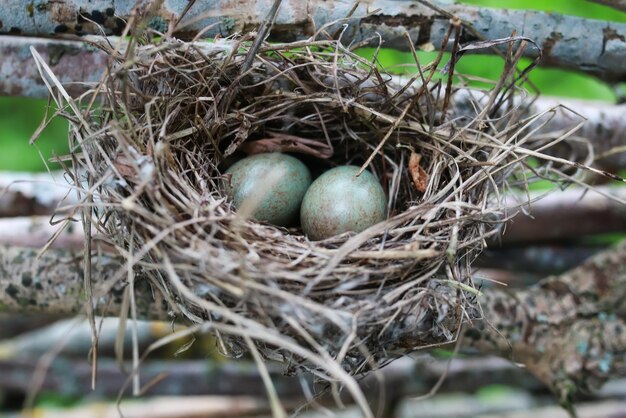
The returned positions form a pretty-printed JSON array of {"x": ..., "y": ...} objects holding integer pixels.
[{"x": 19, "y": 117}]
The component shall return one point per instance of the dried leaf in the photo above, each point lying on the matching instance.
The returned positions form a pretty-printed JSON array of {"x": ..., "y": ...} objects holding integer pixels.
[
  {"x": 124, "y": 167},
  {"x": 418, "y": 174},
  {"x": 288, "y": 143}
]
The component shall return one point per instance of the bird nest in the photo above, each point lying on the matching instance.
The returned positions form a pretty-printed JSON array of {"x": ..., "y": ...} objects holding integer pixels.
[{"x": 169, "y": 117}]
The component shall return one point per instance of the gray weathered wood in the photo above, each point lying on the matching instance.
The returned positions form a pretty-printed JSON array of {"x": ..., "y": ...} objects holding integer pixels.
[
  {"x": 593, "y": 46},
  {"x": 72, "y": 62},
  {"x": 570, "y": 214},
  {"x": 603, "y": 124},
  {"x": 404, "y": 377}
]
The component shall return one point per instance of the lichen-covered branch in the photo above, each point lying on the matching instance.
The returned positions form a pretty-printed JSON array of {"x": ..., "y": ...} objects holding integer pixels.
[
  {"x": 592, "y": 46},
  {"x": 73, "y": 63},
  {"x": 53, "y": 283},
  {"x": 569, "y": 330}
]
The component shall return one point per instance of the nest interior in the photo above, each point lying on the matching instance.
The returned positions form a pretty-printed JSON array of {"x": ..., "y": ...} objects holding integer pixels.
[{"x": 174, "y": 115}]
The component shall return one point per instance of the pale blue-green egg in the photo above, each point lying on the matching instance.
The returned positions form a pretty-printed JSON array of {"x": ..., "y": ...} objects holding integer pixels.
[
  {"x": 338, "y": 201},
  {"x": 270, "y": 186}
]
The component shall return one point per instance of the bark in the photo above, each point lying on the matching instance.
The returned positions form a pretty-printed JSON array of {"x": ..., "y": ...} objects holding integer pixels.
[
  {"x": 189, "y": 377},
  {"x": 508, "y": 404},
  {"x": 36, "y": 231},
  {"x": 560, "y": 216},
  {"x": 12, "y": 325},
  {"x": 613, "y": 408},
  {"x": 603, "y": 124},
  {"x": 569, "y": 330},
  {"x": 159, "y": 407},
  {"x": 604, "y": 128},
  {"x": 492, "y": 277},
  {"x": 592, "y": 46},
  {"x": 76, "y": 336},
  {"x": 19, "y": 204},
  {"x": 549, "y": 223}
]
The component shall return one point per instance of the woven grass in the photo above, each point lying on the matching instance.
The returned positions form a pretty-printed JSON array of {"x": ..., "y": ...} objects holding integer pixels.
[{"x": 172, "y": 116}]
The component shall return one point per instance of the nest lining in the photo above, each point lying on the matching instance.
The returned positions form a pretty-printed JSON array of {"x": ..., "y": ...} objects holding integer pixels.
[{"x": 175, "y": 115}]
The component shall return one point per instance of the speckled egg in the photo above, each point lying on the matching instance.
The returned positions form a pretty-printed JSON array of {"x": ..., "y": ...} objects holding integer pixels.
[
  {"x": 272, "y": 185},
  {"x": 338, "y": 201}
]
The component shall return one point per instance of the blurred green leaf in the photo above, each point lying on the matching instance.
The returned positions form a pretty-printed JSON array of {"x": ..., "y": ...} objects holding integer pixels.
[
  {"x": 494, "y": 394},
  {"x": 19, "y": 118},
  {"x": 604, "y": 239},
  {"x": 56, "y": 400}
]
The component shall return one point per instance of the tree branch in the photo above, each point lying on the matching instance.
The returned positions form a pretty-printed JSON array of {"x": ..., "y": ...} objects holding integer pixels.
[
  {"x": 163, "y": 407},
  {"x": 569, "y": 330},
  {"x": 603, "y": 124},
  {"x": 404, "y": 377},
  {"x": 569, "y": 215},
  {"x": 52, "y": 283},
  {"x": 536, "y": 259},
  {"x": 27, "y": 194},
  {"x": 592, "y": 46},
  {"x": 562, "y": 215},
  {"x": 36, "y": 231},
  {"x": 77, "y": 65}
]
